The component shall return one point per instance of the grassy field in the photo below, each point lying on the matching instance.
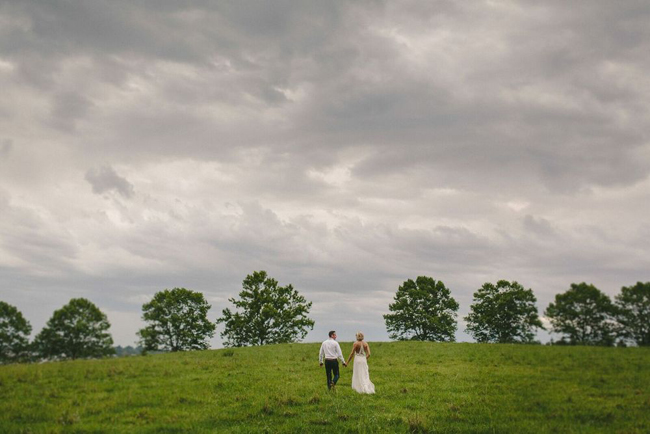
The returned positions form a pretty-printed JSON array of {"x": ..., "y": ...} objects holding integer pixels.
[{"x": 421, "y": 387}]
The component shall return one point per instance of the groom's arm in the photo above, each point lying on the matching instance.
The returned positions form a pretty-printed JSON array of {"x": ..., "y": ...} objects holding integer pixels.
[
  {"x": 340, "y": 354},
  {"x": 321, "y": 355}
]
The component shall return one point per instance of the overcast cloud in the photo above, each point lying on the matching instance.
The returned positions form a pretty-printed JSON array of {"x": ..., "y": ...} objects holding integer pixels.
[{"x": 342, "y": 147}]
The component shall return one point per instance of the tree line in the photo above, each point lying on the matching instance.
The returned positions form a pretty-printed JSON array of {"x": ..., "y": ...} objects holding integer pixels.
[
  {"x": 506, "y": 312},
  {"x": 176, "y": 320},
  {"x": 268, "y": 313}
]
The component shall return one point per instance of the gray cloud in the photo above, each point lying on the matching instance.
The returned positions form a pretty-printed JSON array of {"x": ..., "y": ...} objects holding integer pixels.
[
  {"x": 548, "y": 107},
  {"x": 105, "y": 179},
  {"x": 67, "y": 108},
  {"x": 6, "y": 146},
  {"x": 342, "y": 147}
]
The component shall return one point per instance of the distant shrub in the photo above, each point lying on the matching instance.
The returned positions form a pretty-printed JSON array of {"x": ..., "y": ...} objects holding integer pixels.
[{"x": 121, "y": 351}]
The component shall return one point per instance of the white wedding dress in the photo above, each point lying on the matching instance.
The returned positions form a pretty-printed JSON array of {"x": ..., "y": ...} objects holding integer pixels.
[{"x": 360, "y": 374}]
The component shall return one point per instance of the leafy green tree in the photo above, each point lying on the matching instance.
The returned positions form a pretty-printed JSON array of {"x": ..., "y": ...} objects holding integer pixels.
[
  {"x": 503, "y": 313},
  {"x": 77, "y": 330},
  {"x": 269, "y": 314},
  {"x": 14, "y": 334},
  {"x": 177, "y": 321},
  {"x": 584, "y": 315},
  {"x": 424, "y": 310},
  {"x": 634, "y": 313}
]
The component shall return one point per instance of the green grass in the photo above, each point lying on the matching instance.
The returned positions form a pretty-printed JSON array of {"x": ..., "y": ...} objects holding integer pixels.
[{"x": 421, "y": 387}]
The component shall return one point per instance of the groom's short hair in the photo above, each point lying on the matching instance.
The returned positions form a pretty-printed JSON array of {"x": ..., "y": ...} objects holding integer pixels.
[{"x": 331, "y": 333}]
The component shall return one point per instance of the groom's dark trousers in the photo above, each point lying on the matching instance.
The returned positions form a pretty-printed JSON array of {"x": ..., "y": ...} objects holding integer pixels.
[{"x": 331, "y": 366}]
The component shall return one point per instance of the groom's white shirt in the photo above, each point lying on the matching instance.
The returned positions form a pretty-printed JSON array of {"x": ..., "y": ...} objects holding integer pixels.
[{"x": 330, "y": 349}]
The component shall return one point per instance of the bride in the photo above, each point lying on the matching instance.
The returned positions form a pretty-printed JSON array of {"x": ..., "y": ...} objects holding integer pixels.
[{"x": 360, "y": 376}]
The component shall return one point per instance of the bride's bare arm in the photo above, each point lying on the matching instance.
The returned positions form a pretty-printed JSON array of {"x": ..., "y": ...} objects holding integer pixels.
[
  {"x": 367, "y": 350},
  {"x": 352, "y": 352}
]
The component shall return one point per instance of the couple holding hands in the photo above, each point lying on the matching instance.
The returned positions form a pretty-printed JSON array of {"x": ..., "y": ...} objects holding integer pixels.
[{"x": 330, "y": 353}]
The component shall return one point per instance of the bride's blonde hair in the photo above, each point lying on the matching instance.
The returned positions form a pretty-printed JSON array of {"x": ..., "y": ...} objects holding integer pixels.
[{"x": 359, "y": 336}]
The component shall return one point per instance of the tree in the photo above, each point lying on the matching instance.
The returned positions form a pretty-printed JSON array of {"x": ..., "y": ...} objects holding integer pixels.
[
  {"x": 424, "y": 310},
  {"x": 634, "y": 313},
  {"x": 77, "y": 330},
  {"x": 270, "y": 314},
  {"x": 177, "y": 321},
  {"x": 584, "y": 314},
  {"x": 14, "y": 333},
  {"x": 503, "y": 313}
]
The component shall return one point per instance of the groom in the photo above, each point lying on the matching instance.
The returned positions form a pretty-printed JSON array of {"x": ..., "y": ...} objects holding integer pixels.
[{"x": 330, "y": 350}]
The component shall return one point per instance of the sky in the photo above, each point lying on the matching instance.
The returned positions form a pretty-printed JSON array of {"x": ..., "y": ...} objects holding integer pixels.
[{"x": 343, "y": 147}]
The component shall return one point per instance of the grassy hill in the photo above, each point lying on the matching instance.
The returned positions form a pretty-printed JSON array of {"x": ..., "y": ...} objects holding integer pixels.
[{"x": 421, "y": 387}]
